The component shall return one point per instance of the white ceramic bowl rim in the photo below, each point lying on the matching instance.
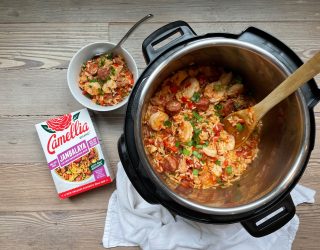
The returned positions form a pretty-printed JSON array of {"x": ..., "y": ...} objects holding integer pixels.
[{"x": 86, "y": 53}]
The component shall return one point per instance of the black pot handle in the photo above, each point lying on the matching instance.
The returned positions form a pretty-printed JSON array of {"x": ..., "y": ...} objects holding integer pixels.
[
  {"x": 130, "y": 171},
  {"x": 148, "y": 50},
  {"x": 274, "y": 223},
  {"x": 285, "y": 55}
]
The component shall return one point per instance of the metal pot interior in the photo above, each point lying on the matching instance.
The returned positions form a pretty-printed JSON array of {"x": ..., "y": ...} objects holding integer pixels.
[{"x": 283, "y": 138}]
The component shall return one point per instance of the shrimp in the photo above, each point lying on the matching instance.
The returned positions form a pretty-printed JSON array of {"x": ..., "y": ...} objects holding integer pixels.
[
  {"x": 93, "y": 88},
  {"x": 210, "y": 151},
  {"x": 189, "y": 87},
  {"x": 216, "y": 170},
  {"x": 226, "y": 143},
  {"x": 162, "y": 97},
  {"x": 157, "y": 119},
  {"x": 183, "y": 167},
  {"x": 178, "y": 77},
  {"x": 225, "y": 78},
  {"x": 108, "y": 86},
  {"x": 235, "y": 90},
  {"x": 215, "y": 91},
  {"x": 185, "y": 131}
]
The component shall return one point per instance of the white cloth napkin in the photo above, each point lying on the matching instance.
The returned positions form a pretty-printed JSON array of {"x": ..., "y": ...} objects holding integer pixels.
[{"x": 131, "y": 221}]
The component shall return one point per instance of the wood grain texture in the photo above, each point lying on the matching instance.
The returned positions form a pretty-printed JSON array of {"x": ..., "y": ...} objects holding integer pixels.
[
  {"x": 52, "y": 45},
  {"x": 82, "y": 229},
  {"x": 164, "y": 10},
  {"x": 38, "y": 39}
]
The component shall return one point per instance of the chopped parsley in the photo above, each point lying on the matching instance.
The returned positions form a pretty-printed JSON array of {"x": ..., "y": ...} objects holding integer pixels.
[
  {"x": 186, "y": 118},
  {"x": 199, "y": 146},
  {"x": 217, "y": 162},
  {"x": 93, "y": 80},
  {"x": 195, "y": 97},
  {"x": 177, "y": 144}
]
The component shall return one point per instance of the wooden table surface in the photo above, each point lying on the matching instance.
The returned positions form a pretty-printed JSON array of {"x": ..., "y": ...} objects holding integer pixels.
[{"x": 37, "y": 40}]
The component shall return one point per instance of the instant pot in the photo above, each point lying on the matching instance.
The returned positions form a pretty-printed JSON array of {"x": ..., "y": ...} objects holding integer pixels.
[{"x": 261, "y": 199}]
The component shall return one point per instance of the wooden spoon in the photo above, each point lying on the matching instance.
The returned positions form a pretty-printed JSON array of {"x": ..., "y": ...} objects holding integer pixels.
[{"x": 242, "y": 123}]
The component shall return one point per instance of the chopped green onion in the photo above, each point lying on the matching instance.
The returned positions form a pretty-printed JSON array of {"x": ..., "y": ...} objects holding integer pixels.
[
  {"x": 186, "y": 118},
  {"x": 199, "y": 146},
  {"x": 83, "y": 65},
  {"x": 167, "y": 123},
  {"x": 195, "y": 172},
  {"x": 93, "y": 80},
  {"x": 229, "y": 170},
  {"x": 177, "y": 144},
  {"x": 101, "y": 61},
  {"x": 112, "y": 70},
  {"x": 110, "y": 56},
  {"x": 190, "y": 143},
  {"x": 218, "y": 162},
  {"x": 197, "y": 131},
  {"x": 197, "y": 116},
  {"x": 218, "y": 107},
  {"x": 206, "y": 143},
  {"x": 239, "y": 127},
  {"x": 186, "y": 152},
  {"x": 197, "y": 154},
  {"x": 195, "y": 97}
]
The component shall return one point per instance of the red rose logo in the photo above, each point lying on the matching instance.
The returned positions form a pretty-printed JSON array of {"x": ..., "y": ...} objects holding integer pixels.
[{"x": 60, "y": 123}]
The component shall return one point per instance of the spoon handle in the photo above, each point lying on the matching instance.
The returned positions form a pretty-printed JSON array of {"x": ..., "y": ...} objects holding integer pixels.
[
  {"x": 303, "y": 74},
  {"x": 132, "y": 29}
]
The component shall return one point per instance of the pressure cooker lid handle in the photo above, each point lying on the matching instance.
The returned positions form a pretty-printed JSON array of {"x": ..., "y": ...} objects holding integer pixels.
[
  {"x": 272, "y": 219},
  {"x": 151, "y": 47}
]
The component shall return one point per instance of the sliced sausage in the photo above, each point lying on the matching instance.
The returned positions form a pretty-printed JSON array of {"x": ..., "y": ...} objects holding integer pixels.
[
  {"x": 173, "y": 107},
  {"x": 202, "y": 104},
  {"x": 103, "y": 73},
  {"x": 170, "y": 163},
  {"x": 92, "y": 68},
  {"x": 228, "y": 107}
]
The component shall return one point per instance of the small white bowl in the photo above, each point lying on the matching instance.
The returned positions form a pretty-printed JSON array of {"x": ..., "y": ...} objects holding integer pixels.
[{"x": 83, "y": 55}]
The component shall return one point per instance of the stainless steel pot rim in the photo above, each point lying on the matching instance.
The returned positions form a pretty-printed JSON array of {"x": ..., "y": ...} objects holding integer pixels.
[{"x": 286, "y": 182}]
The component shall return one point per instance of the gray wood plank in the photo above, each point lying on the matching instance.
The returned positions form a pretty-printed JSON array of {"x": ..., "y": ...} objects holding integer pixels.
[
  {"x": 53, "y": 230},
  {"x": 21, "y": 156},
  {"x": 51, "y": 45},
  {"x": 13, "y": 11}
]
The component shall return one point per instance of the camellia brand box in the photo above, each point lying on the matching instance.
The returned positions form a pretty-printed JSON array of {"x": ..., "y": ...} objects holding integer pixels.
[{"x": 74, "y": 154}]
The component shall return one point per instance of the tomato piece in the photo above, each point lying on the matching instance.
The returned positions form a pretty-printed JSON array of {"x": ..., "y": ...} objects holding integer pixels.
[
  {"x": 184, "y": 99},
  {"x": 225, "y": 163},
  {"x": 190, "y": 105}
]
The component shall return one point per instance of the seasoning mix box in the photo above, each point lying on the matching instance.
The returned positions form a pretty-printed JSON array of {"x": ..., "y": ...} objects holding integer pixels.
[{"x": 73, "y": 153}]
